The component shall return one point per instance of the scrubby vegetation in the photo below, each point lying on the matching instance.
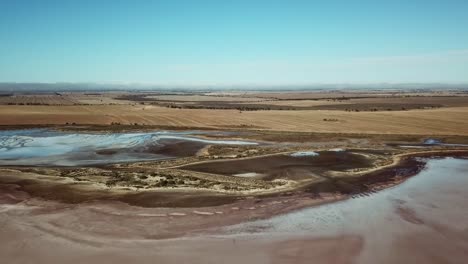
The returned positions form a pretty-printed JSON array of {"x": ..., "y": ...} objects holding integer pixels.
[{"x": 146, "y": 179}]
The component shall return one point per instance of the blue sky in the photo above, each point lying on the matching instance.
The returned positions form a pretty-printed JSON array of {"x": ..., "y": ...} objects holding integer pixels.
[{"x": 234, "y": 42}]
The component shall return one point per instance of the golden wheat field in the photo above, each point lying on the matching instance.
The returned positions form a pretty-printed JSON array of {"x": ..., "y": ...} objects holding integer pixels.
[{"x": 447, "y": 121}]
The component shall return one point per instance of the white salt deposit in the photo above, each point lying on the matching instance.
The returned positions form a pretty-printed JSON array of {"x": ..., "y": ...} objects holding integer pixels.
[
  {"x": 304, "y": 154},
  {"x": 337, "y": 149},
  {"x": 247, "y": 174}
]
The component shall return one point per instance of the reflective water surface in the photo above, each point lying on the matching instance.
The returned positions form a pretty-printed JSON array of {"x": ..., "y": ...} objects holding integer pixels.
[
  {"x": 438, "y": 193},
  {"x": 46, "y": 147},
  {"x": 423, "y": 220}
]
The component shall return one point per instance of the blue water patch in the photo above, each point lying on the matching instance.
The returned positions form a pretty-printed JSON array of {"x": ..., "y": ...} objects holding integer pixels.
[{"x": 432, "y": 141}]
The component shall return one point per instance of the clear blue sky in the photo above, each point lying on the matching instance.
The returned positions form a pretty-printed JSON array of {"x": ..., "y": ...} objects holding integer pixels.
[{"x": 234, "y": 42}]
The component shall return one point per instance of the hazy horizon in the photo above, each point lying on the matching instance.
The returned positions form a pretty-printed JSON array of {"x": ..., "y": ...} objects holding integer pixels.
[{"x": 66, "y": 86}]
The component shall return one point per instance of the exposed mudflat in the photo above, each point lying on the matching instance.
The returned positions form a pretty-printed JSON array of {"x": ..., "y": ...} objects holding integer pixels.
[{"x": 422, "y": 220}]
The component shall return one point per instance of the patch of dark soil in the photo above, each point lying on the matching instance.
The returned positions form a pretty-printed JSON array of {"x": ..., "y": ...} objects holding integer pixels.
[
  {"x": 155, "y": 199},
  {"x": 285, "y": 166},
  {"x": 74, "y": 194},
  {"x": 176, "y": 148},
  {"x": 409, "y": 215},
  {"x": 107, "y": 152}
]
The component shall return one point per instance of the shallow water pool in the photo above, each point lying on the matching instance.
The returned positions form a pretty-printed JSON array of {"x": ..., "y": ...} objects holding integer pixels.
[{"x": 46, "y": 147}]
